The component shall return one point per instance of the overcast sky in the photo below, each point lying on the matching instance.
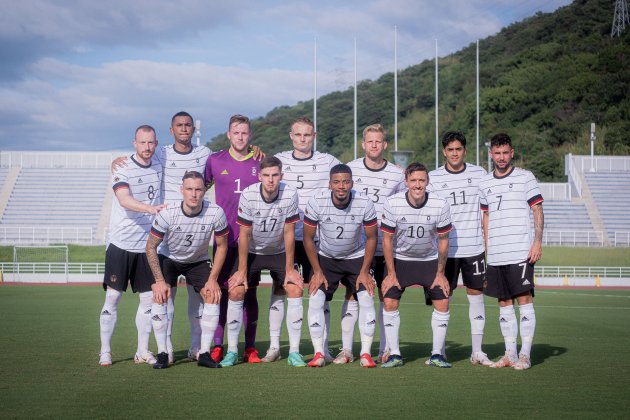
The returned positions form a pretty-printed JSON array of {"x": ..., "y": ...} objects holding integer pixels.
[{"x": 82, "y": 75}]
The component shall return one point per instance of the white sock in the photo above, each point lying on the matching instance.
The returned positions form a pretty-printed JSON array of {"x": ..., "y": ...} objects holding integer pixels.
[
  {"x": 439, "y": 325},
  {"x": 276, "y": 316},
  {"x": 108, "y": 317},
  {"x": 208, "y": 324},
  {"x": 295, "y": 313},
  {"x": 349, "y": 316},
  {"x": 170, "y": 313},
  {"x": 143, "y": 321},
  {"x": 233, "y": 323},
  {"x": 367, "y": 321},
  {"x": 159, "y": 320},
  {"x": 195, "y": 309},
  {"x": 326, "y": 324},
  {"x": 527, "y": 327},
  {"x": 509, "y": 328},
  {"x": 316, "y": 326},
  {"x": 382, "y": 344},
  {"x": 477, "y": 316},
  {"x": 391, "y": 321}
]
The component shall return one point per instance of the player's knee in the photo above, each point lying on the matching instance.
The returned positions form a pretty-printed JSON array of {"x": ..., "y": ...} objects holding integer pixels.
[
  {"x": 390, "y": 304},
  {"x": 292, "y": 291},
  {"x": 441, "y": 305},
  {"x": 365, "y": 300},
  {"x": 317, "y": 300},
  {"x": 238, "y": 293}
]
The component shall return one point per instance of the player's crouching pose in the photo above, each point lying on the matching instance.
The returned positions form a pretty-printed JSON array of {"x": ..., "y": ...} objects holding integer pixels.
[
  {"x": 267, "y": 213},
  {"x": 415, "y": 219},
  {"x": 344, "y": 256},
  {"x": 137, "y": 196},
  {"x": 186, "y": 230}
]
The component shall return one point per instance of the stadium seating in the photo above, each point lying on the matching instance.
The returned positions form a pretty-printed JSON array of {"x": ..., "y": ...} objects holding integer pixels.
[
  {"x": 57, "y": 197},
  {"x": 611, "y": 194}
]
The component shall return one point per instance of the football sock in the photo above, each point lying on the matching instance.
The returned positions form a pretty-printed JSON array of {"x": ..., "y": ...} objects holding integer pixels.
[
  {"x": 326, "y": 324},
  {"x": 276, "y": 316},
  {"x": 391, "y": 321},
  {"x": 195, "y": 309},
  {"x": 349, "y": 315},
  {"x": 220, "y": 331},
  {"x": 439, "y": 325},
  {"x": 209, "y": 322},
  {"x": 143, "y": 321},
  {"x": 382, "y": 344},
  {"x": 109, "y": 315},
  {"x": 367, "y": 320},
  {"x": 477, "y": 316},
  {"x": 170, "y": 313},
  {"x": 527, "y": 327},
  {"x": 316, "y": 320},
  {"x": 250, "y": 318},
  {"x": 159, "y": 320},
  {"x": 509, "y": 327},
  {"x": 234, "y": 322},
  {"x": 295, "y": 313}
]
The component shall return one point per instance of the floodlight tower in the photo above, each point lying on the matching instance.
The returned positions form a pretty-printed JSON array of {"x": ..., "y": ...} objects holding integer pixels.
[{"x": 620, "y": 18}]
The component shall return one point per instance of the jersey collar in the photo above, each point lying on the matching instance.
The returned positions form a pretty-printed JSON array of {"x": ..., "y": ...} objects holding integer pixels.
[
  {"x": 247, "y": 156},
  {"x": 454, "y": 172},
  {"x": 133, "y": 158},
  {"x": 494, "y": 174},
  {"x": 375, "y": 170},
  {"x": 263, "y": 197},
  {"x": 306, "y": 158},
  {"x": 191, "y": 215},
  {"x": 345, "y": 206},
  {"x": 426, "y": 200}
]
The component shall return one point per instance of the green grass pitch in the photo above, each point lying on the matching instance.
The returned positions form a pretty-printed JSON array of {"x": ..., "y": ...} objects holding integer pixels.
[{"x": 49, "y": 345}]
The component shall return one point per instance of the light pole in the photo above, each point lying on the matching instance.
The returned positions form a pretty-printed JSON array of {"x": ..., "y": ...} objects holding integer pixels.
[
  {"x": 592, "y": 147},
  {"x": 489, "y": 159}
]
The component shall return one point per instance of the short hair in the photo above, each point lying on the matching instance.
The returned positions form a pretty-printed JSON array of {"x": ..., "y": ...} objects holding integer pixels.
[
  {"x": 415, "y": 167},
  {"x": 500, "y": 139},
  {"x": 340, "y": 168},
  {"x": 145, "y": 128},
  {"x": 270, "y": 162},
  {"x": 303, "y": 120},
  {"x": 375, "y": 128},
  {"x": 238, "y": 119},
  {"x": 451, "y": 136},
  {"x": 193, "y": 175},
  {"x": 182, "y": 114}
]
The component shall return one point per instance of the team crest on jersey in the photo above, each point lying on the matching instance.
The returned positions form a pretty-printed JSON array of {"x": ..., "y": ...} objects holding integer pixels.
[
  {"x": 384, "y": 182},
  {"x": 428, "y": 218},
  {"x": 279, "y": 211},
  {"x": 197, "y": 160},
  {"x": 359, "y": 180},
  {"x": 469, "y": 180},
  {"x": 113, "y": 278},
  {"x": 352, "y": 217},
  {"x": 253, "y": 171},
  {"x": 314, "y": 168},
  {"x": 510, "y": 185},
  {"x": 203, "y": 228}
]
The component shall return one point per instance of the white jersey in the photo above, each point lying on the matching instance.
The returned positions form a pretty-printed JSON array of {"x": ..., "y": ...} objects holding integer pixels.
[
  {"x": 176, "y": 164},
  {"x": 340, "y": 228},
  {"x": 508, "y": 200},
  {"x": 378, "y": 184},
  {"x": 128, "y": 229},
  {"x": 461, "y": 190},
  {"x": 416, "y": 229},
  {"x": 308, "y": 176},
  {"x": 186, "y": 238},
  {"x": 267, "y": 219}
]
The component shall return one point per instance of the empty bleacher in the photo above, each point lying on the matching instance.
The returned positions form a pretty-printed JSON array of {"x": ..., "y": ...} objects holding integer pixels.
[{"x": 611, "y": 195}]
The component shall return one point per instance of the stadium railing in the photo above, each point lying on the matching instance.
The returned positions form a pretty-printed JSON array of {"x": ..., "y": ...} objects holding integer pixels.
[
  {"x": 602, "y": 163},
  {"x": 557, "y": 191},
  {"x": 560, "y": 271},
  {"x": 26, "y": 159},
  {"x": 42, "y": 235},
  {"x": 573, "y": 238}
]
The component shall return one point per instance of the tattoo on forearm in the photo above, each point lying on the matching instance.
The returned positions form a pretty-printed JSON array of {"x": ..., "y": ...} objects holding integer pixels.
[
  {"x": 152, "y": 256},
  {"x": 539, "y": 222}
]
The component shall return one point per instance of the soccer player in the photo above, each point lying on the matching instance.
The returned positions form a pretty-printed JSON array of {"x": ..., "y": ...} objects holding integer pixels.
[
  {"x": 506, "y": 196},
  {"x": 177, "y": 159},
  {"x": 232, "y": 170},
  {"x": 415, "y": 229},
  {"x": 344, "y": 256},
  {"x": 137, "y": 197},
  {"x": 458, "y": 183},
  {"x": 377, "y": 178},
  {"x": 308, "y": 171},
  {"x": 267, "y": 213},
  {"x": 185, "y": 230}
]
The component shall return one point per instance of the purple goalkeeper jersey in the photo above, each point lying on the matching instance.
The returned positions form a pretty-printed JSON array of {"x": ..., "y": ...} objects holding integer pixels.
[{"x": 230, "y": 177}]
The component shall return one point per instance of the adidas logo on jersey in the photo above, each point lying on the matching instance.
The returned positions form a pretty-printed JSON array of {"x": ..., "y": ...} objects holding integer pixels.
[
  {"x": 288, "y": 168},
  {"x": 178, "y": 228},
  {"x": 173, "y": 165},
  {"x": 445, "y": 186},
  {"x": 257, "y": 213},
  {"x": 224, "y": 172},
  {"x": 489, "y": 191},
  {"x": 358, "y": 181},
  {"x": 404, "y": 219},
  {"x": 328, "y": 219},
  {"x": 139, "y": 180},
  {"x": 526, "y": 282}
]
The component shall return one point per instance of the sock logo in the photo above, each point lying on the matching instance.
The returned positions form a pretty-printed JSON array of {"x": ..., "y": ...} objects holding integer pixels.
[
  {"x": 479, "y": 318},
  {"x": 346, "y": 315},
  {"x": 234, "y": 321},
  {"x": 372, "y": 322},
  {"x": 148, "y": 312},
  {"x": 502, "y": 319},
  {"x": 105, "y": 312},
  {"x": 388, "y": 325},
  {"x": 273, "y": 308},
  {"x": 326, "y": 311},
  {"x": 315, "y": 325},
  {"x": 298, "y": 321},
  {"x": 524, "y": 319},
  {"x": 443, "y": 326},
  {"x": 156, "y": 318}
]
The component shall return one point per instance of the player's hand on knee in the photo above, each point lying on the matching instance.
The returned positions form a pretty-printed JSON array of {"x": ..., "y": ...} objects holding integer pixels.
[
  {"x": 161, "y": 291},
  {"x": 367, "y": 281},
  {"x": 237, "y": 279},
  {"x": 441, "y": 282},
  {"x": 389, "y": 282},
  {"x": 211, "y": 292},
  {"x": 316, "y": 281},
  {"x": 293, "y": 277}
]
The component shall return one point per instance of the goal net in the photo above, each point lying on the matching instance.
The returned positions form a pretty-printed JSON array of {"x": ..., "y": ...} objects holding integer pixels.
[{"x": 40, "y": 263}]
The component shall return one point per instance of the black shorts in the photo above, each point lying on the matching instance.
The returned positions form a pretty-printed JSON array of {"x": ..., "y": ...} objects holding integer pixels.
[
  {"x": 378, "y": 269},
  {"x": 508, "y": 281},
  {"x": 416, "y": 273},
  {"x": 124, "y": 267},
  {"x": 473, "y": 271},
  {"x": 196, "y": 273},
  {"x": 302, "y": 262},
  {"x": 276, "y": 264},
  {"x": 229, "y": 266},
  {"x": 340, "y": 271}
]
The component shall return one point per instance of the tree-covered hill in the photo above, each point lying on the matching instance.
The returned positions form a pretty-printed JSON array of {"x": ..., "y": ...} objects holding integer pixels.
[{"x": 543, "y": 80}]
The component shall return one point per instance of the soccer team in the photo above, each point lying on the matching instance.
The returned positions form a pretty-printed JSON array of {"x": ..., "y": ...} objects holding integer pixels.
[{"x": 314, "y": 223}]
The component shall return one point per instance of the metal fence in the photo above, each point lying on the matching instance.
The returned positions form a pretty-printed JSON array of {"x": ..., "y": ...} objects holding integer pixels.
[
  {"x": 557, "y": 191},
  {"x": 59, "y": 159},
  {"x": 602, "y": 163},
  {"x": 42, "y": 235},
  {"x": 560, "y": 271},
  {"x": 574, "y": 238}
]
